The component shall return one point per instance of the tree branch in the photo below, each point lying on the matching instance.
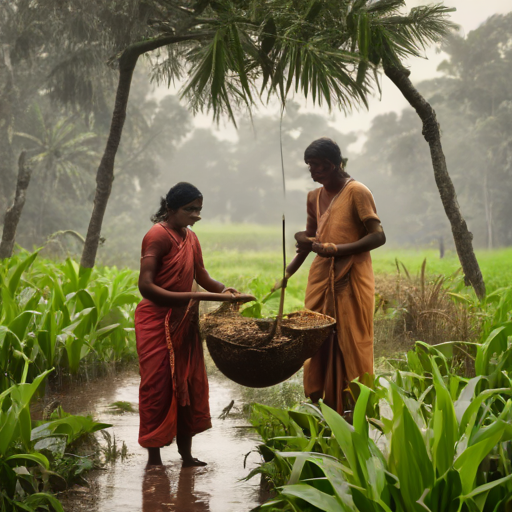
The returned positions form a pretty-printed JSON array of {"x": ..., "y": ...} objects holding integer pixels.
[{"x": 462, "y": 237}]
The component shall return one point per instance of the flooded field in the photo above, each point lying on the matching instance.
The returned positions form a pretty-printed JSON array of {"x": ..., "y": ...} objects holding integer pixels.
[{"x": 129, "y": 487}]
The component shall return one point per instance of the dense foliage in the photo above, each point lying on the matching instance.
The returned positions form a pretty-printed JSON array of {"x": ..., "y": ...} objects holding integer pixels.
[
  {"x": 56, "y": 316},
  {"x": 31, "y": 453},
  {"x": 425, "y": 438},
  {"x": 53, "y": 316}
]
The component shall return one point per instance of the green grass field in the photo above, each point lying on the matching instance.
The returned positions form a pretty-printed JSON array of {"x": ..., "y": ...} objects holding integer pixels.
[{"x": 237, "y": 253}]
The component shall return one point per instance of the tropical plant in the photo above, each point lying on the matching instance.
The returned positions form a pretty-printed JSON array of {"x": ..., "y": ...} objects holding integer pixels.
[
  {"x": 412, "y": 458},
  {"x": 56, "y": 315},
  {"x": 432, "y": 438},
  {"x": 60, "y": 151},
  {"x": 24, "y": 470},
  {"x": 320, "y": 48}
]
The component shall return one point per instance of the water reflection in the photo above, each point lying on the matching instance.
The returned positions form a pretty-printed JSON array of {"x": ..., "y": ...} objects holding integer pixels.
[{"x": 171, "y": 488}]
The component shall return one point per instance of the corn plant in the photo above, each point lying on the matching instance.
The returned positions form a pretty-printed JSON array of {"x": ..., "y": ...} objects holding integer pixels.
[
  {"x": 57, "y": 314},
  {"x": 24, "y": 470},
  {"x": 412, "y": 458}
]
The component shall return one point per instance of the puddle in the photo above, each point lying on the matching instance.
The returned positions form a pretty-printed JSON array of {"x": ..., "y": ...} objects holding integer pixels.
[{"x": 127, "y": 486}]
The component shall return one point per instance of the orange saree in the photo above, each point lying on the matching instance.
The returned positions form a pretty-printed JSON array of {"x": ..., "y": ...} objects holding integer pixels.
[
  {"x": 173, "y": 393},
  {"x": 342, "y": 288}
]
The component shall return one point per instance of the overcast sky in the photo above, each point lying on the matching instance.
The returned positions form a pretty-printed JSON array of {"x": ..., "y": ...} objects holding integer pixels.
[{"x": 469, "y": 15}]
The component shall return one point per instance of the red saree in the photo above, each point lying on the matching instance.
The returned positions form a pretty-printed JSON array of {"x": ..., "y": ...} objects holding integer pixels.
[{"x": 173, "y": 393}]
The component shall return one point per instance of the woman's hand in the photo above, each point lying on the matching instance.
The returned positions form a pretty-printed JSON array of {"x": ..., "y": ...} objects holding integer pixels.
[
  {"x": 242, "y": 298},
  {"x": 236, "y": 296},
  {"x": 303, "y": 242},
  {"x": 326, "y": 250},
  {"x": 229, "y": 289},
  {"x": 280, "y": 283}
]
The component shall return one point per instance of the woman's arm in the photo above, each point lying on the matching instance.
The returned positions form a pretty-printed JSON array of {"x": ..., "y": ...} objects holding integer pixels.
[
  {"x": 204, "y": 280},
  {"x": 373, "y": 239},
  {"x": 296, "y": 263},
  {"x": 161, "y": 297}
]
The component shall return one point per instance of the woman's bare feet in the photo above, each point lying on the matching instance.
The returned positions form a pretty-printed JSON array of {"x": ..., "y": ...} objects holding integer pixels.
[
  {"x": 192, "y": 461},
  {"x": 154, "y": 458},
  {"x": 184, "y": 443}
]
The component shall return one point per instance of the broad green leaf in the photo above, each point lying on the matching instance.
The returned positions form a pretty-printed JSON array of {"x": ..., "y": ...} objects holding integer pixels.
[
  {"x": 360, "y": 423},
  {"x": 468, "y": 461},
  {"x": 86, "y": 299},
  {"x": 487, "y": 487},
  {"x": 342, "y": 432},
  {"x": 19, "y": 325},
  {"x": 14, "y": 281},
  {"x": 316, "y": 498},
  {"x": 71, "y": 272},
  {"x": 39, "y": 458},
  {"x": 40, "y": 498},
  {"x": 445, "y": 425},
  {"x": 465, "y": 398},
  {"x": 84, "y": 276},
  {"x": 408, "y": 457}
]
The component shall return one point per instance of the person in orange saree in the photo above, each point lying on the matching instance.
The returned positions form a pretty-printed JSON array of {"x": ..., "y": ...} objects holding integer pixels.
[
  {"x": 173, "y": 393},
  {"x": 342, "y": 228}
]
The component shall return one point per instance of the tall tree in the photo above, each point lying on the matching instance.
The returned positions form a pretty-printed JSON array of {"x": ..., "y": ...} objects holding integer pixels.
[
  {"x": 382, "y": 35},
  {"x": 36, "y": 39},
  {"x": 222, "y": 44},
  {"x": 319, "y": 48},
  {"x": 60, "y": 150},
  {"x": 478, "y": 85}
]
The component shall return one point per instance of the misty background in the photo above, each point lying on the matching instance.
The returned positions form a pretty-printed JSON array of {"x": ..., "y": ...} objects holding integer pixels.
[{"x": 468, "y": 82}]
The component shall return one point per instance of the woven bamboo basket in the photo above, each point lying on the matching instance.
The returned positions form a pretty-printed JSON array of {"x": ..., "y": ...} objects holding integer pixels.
[{"x": 264, "y": 364}]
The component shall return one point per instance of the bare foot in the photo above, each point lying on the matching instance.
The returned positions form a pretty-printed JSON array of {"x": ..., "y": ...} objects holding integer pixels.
[
  {"x": 154, "y": 458},
  {"x": 192, "y": 462}
]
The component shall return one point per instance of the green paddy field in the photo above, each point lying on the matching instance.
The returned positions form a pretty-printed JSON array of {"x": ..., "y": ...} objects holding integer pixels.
[{"x": 250, "y": 257}]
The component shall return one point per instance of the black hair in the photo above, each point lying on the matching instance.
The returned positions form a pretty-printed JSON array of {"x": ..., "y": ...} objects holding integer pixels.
[
  {"x": 179, "y": 195},
  {"x": 326, "y": 149}
]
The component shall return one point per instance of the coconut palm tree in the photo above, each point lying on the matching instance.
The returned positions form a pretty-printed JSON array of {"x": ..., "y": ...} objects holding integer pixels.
[
  {"x": 384, "y": 37},
  {"x": 222, "y": 47},
  {"x": 381, "y": 35},
  {"x": 60, "y": 152},
  {"x": 233, "y": 52}
]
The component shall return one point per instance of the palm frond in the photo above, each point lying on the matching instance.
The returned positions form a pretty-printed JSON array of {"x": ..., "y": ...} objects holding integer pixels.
[
  {"x": 221, "y": 77},
  {"x": 422, "y": 26},
  {"x": 27, "y": 136},
  {"x": 387, "y": 7},
  {"x": 319, "y": 72}
]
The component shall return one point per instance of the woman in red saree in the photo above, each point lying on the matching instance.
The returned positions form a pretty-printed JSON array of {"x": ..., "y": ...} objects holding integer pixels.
[
  {"x": 173, "y": 394},
  {"x": 342, "y": 228}
]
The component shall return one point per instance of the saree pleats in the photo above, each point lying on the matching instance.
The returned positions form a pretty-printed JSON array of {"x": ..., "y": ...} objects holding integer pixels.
[
  {"x": 173, "y": 393},
  {"x": 344, "y": 289}
]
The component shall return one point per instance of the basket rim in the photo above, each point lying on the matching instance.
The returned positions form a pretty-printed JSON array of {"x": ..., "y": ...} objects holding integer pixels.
[{"x": 331, "y": 322}]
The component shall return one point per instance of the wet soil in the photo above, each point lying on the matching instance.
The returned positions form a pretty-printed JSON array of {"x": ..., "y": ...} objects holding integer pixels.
[
  {"x": 255, "y": 332},
  {"x": 129, "y": 487}
]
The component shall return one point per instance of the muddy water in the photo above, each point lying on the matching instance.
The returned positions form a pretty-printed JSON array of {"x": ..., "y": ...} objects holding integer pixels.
[{"x": 129, "y": 487}]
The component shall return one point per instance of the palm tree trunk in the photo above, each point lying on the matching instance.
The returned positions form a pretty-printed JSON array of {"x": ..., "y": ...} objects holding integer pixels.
[
  {"x": 105, "y": 173},
  {"x": 461, "y": 235},
  {"x": 7, "y": 100},
  {"x": 13, "y": 214}
]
